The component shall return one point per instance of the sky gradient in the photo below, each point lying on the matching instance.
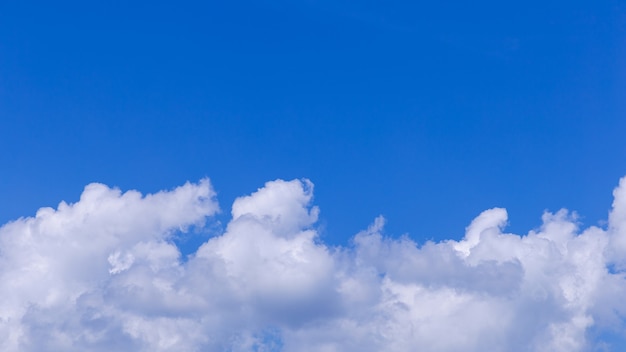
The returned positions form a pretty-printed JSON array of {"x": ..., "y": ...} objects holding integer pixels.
[{"x": 426, "y": 114}]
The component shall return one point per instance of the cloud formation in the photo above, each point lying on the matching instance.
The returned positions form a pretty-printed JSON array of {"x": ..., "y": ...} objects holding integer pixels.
[{"x": 104, "y": 274}]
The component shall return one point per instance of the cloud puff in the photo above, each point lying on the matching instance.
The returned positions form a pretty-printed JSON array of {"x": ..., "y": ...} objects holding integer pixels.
[{"x": 104, "y": 274}]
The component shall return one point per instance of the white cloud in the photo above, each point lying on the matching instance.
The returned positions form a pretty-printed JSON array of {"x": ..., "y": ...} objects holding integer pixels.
[{"x": 104, "y": 274}]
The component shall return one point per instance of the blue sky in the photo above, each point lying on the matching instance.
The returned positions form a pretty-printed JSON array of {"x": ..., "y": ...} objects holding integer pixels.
[{"x": 426, "y": 113}]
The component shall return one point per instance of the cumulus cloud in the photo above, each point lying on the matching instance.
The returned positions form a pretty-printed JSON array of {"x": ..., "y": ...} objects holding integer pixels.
[{"x": 104, "y": 274}]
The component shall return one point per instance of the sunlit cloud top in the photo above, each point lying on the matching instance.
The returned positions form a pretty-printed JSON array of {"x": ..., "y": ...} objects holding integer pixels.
[{"x": 105, "y": 274}]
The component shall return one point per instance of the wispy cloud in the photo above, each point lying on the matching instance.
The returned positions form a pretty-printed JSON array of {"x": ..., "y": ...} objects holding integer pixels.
[{"x": 104, "y": 274}]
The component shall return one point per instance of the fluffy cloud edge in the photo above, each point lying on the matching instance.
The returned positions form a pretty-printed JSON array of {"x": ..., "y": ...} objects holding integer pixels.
[{"x": 104, "y": 273}]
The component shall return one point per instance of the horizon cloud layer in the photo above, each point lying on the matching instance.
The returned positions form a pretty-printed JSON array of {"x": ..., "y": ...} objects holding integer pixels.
[{"x": 104, "y": 274}]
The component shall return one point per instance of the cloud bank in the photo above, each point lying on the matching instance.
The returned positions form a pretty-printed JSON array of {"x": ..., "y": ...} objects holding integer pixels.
[{"x": 104, "y": 274}]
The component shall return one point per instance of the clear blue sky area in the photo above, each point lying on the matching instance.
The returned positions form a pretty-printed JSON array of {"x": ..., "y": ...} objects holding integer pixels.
[{"x": 425, "y": 112}]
